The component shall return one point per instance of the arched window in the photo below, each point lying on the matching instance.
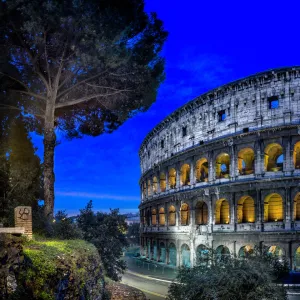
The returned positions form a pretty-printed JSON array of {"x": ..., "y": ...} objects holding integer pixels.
[
  {"x": 172, "y": 178},
  {"x": 223, "y": 166},
  {"x": 273, "y": 208},
  {"x": 246, "y": 161},
  {"x": 172, "y": 216},
  {"x": 172, "y": 254},
  {"x": 153, "y": 216},
  {"x": 202, "y": 170},
  {"x": 297, "y": 260},
  {"x": 273, "y": 158},
  {"x": 185, "y": 174},
  {"x": 162, "y": 220},
  {"x": 222, "y": 253},
  {"x": 246, "y": 210},
  {"x": 149, "y": 187},
  {"x": 296, "y": 210},
  {"x": 296, "y": 155},
  {"x": 184, "y": 214},
  {"x": 186, "y": 255},
  {"x": 222, "y": 213},
  {"x": 202, "y": 255},
  {"x": 276, "y": 251},
  {"x": 245, "y": 251},
  {"x": 155, "y": 184},
  {"x": 162, "y": 182},
  {"x": 201, "y": 213}
]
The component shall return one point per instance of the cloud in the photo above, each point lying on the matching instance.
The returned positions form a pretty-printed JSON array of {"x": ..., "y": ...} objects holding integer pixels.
[{"x": 97, "y": 196}]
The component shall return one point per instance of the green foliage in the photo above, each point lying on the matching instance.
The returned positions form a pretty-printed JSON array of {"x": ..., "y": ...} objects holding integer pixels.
[
  {"x": 64, "y": 228},
  {"x": 133, "y": 233},
  {"x": 20, "y": 171},
  {"x": 107, "y": 233},
  {"x": 225, "y": 278}
]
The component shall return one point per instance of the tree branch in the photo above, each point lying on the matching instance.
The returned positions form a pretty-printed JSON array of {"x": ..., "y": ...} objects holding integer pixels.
[
  {"x": 15, "y": 79},
  {"x": 31, "y": 94},
  {"x": 86, "y": 98}
]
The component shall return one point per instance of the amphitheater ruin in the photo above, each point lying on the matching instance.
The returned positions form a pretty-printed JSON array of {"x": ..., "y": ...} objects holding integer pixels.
[{"x": 223, "y": 172}]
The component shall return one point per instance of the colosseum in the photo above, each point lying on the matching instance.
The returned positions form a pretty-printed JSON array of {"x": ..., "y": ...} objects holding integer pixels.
[{"x": 223, "y": 172}]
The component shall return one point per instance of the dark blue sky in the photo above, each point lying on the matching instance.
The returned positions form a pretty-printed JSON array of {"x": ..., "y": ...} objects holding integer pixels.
[{"x": 210, "y": 43}]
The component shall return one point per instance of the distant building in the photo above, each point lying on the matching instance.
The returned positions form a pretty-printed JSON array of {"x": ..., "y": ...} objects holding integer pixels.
[
  {"x": 132, "y": 220},
  {"x": 223, "y": 172}
]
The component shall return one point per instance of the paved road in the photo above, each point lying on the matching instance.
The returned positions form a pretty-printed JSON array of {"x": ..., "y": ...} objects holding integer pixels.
[{"x": 154, "y": 289}]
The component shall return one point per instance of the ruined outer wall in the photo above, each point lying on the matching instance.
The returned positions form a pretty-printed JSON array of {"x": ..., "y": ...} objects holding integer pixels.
[{"x": 246, "y": 105}]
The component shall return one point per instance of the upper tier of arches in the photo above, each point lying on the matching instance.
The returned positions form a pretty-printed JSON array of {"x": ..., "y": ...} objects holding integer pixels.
[{"x": 265, "y": 100}]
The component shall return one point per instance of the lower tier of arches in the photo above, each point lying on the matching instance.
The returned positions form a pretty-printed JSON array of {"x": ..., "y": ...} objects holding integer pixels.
[{"x": 183, "y": 250}]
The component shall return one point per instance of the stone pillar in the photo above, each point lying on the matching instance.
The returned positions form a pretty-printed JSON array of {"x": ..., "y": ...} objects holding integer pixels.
[
  {"x": 211, "y": 168},
  {"x": 287, "y": 209},
  {"x": 232, "y": 164},
  {"x": 192, "y": 217},
  {"x": 158, "y": 183},
  {"x": 192, "y": 253},
  {"x": 177, "y": 176},
  {"x": 167, "y": 180},
  {"x": 192, "y": 173},
  {"x": 258, "y": 208},
  {"x": 177, "y": 215},
  {"x": 23, "y": 218},
  {"x": 233, "y": 218},
  {"x": 178, "y": 256},
  {"x": 288, "y": 164},
  {"x": 166, "y": 215}
]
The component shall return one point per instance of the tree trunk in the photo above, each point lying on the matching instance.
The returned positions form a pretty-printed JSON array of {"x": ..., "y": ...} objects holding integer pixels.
[{"x": 49, "y": 146}]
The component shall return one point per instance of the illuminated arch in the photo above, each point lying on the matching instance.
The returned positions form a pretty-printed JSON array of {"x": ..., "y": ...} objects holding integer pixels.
[
  {"x": 222, "y": 212},
  {"x": 186, "y": 255},
  {"x": 172, "y": 254},
  {"x": 276, "y": 251},
  {"x": 201, "y": 170},
  {"x": 273, "y": 160},
  {"x": 246, "y": 161},
  {"x": 172, "y": 178},
  {"x": 245, "y": 251},
  {"x": 273, "y": 208},
  {"x": 222, "y": 166},
  {"x": 172, "y": 216},
  {"x": 154, "y": 184},
  {"x": 153, "y": 219},
  {"x": 296, "y": 155},
  {"x": 185, "y": 174},
  {"x": 162, "y": 182},
  {"x": 162, "y": 219},
  {"x": 297, "y": 259},
  {"x": 184, "y": 214},
  {"x": 201, "y": 213},
  {"x": 246, "y": 210},
  {"x": 296, "y": 208},
  {"x": 149, "y": 187}
]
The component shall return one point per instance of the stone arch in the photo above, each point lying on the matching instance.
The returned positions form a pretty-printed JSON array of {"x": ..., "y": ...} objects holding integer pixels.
[
  {"x": 153, "y": 216},
  {"x": 184, "y": 214},
  {"x": 245, "y": 251},
  {"x": 222, "y": 212},
  {"x": 162, "y": 182},
  {"x": 201, "y": 170},
  {"x": 162, "y": 218},
  {"x": 185, "y": 172},
  {"x": 277, "y": 251},
  {"x": 273, "y": 160},
  {"x": 154, "y": 185},
  {"x": 246, "y": 161},
  {"x": 222, "y": 253},
  {"x": 172, "y": 215},
  {"x": 172, "y": 254},
  {"x": 185, "y": 255},
  {"x": 222, "y": 165},
  {"x": 172, "y": 178},
  {"x": 201, "y": 213},
  {"x": 296, "y": 155},
  {"x": 162, "y": 252},
  {"x": 149, "y": 187},
  {"x": 273, "y": 208},
  {"x": 297, "y": 259},
  {"x": 246, "y": 210},
  {"x": 296, "y": 208}
]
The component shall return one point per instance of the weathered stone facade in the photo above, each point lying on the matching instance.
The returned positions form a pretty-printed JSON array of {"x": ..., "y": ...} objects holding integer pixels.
[{"x": 223, "y": 171}]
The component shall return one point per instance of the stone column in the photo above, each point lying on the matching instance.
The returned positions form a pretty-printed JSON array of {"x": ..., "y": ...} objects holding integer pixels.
[
  {"x": 167, "y": 180},
  {"x": 166, "y": 215},
  {"x": 192, "y": 252},
  {"x": 288, "y": 165},
  {"x": 178, "y": 256},
  {"x": 192, "y": 217},
  {"x": 177, "y": 176},
  {"x": 232, "y": 164},
  {"x": 23, "y": 218},
  {"x": 192, "y": 173},
  {"x": 158, "y": 183},
  {"x": 177, "y": 215},
  {"x": 211, "y": 168},
  {"x": 287, "y": 209}
]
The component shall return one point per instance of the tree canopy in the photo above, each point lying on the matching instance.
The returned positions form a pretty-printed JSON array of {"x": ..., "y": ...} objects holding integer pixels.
[{"x": 81, "y": 67}]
